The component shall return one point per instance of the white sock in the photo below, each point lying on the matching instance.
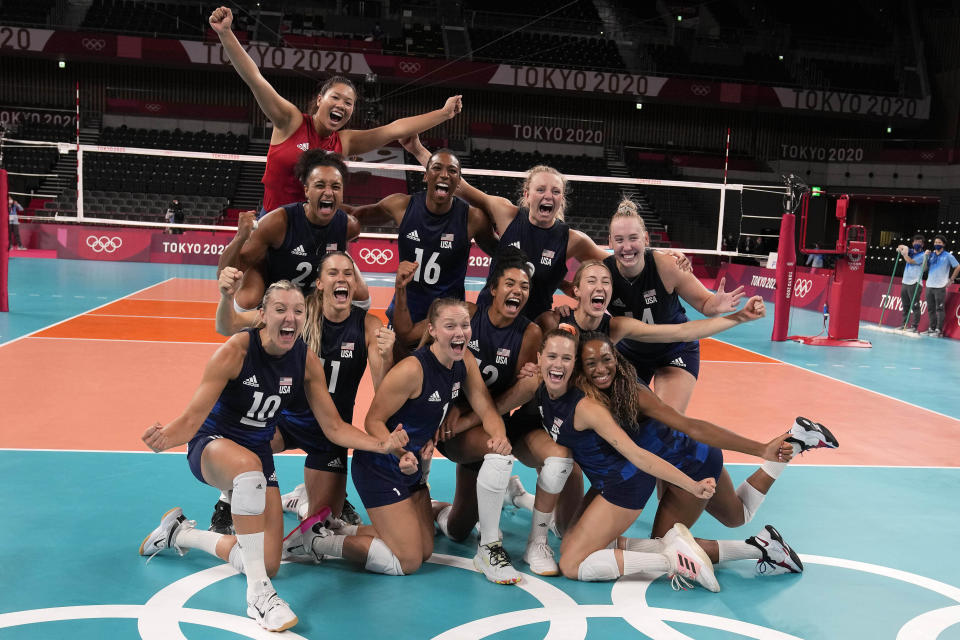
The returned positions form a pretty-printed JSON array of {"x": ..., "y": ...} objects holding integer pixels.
[
  {"x": 751, "y": 498},
  {"x": 329, "y": 546},
  {"x": 236, "y": 559},
  {"x": 492, "y": 482},
  {"x": 737, "y": 550},
  {"x": 524, "y": 500},
  {"x": 225, "y": 496},
  {"x": 637, "y": 561},
  {"x": 199, "y": 539},
  {"x": 646, "y": 545},
  {"x": 443, "y": 516},
  {"x": 539, "y": 525},
  {"x": 773, "y": 469},
  {"x": 251, "y": 550}
]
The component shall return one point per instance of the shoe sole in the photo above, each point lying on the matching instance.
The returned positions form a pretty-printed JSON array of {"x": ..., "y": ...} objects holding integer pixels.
[
  {"x": 307, "y": 524},
  {"x": 162, "y": 518},
  {"x": 829, "y": 440},
  {"x": 283, "y": 627},
  {"x": 832, "y": 441},
  {"x": 685, "y": 535},
  {"x": 479, "y": 567},
  {"x": 774, "y": 534}
]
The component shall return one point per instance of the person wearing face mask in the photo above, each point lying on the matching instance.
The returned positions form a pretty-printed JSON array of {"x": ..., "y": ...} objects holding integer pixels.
[
  {"x": 910, "y": 286},
  {"x": 939, "y": 262},
  {"x": 323, "y": 127}
]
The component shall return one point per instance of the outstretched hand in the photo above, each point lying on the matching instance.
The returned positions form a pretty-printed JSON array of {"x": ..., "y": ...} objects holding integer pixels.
[{"x": 726, "y": 301}]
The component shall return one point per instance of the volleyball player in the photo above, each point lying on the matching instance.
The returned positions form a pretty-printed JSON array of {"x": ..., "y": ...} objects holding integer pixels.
[
  {"x": 347, "y": 339},
  {"x": 435, "y": 230},
  {"x": 417, "y": 393},
  {"x": 323, "y": 127},
  {"x": 229, "y": 423},
  {"x": 648, "y": 286},
  {"x": 288, "y": 242}
]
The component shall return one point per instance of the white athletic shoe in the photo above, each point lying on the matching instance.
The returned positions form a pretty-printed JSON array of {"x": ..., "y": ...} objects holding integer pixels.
[
  {"x": 540, "y": 557},
  {"x": 514, "y": 490},
  {"x": 778, "y": 557},
  {"x": 808, "y": 434},
  {"x": 293, "y": 500},
  {"x": 688, "y": 561},
  {"x": 298, "y": 544},
  {"x": 165, "y": 536},
  {"x": 270, "y": 611},
  {"x": 492, "y": 560}
]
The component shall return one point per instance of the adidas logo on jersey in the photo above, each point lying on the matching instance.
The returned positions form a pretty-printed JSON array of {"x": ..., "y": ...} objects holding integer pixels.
[
  {"x": 251, "y": 381},
  {"x": 617, "y": 303},
  {"x": 413, "y": 235},
  {"x": 514, "y": 244},
  {"x": 336, "y": 463},
  {"x": 435, "y": 397},
  {"x": 303, "y": 146},
  {"x": 474, "y": 345},
  {"x": 299, "y": 251},
  {"x": 678, "y": 362}
]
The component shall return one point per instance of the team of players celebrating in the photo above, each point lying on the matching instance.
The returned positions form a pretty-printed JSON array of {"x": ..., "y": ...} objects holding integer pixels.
[{"x": 508, "y": 378}]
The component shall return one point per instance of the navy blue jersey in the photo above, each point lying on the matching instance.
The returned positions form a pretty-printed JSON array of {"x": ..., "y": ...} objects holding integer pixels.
[
  {"x": 249, "y": 405},
  {"x": 303, "y": 246},
  {"x": 674, "y": 446},
  {"x": 603, "y": 327},
  {"x": 601, "y": 462},
  {"x": 644, "y": 298},
  {"x": 440, "y": 244},
  {"x": 422, "y": 415},
  {"x": 497, "y": 349},
  {"x": 547, "y": 252},
  {"x": 343, "y": 352}
]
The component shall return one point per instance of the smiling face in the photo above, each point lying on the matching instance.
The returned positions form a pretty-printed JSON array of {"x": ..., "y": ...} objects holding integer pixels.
[
  {"x": 337, "y": 281},
  {"x": 442, "y": 177},
  {"x": 593, "y": 290},
  {"x": 556, "y": 360},
  {"x": 599, "y": 363},
  {"x": 544, "y": 198},
  {"x": 324, "y": 193},
  {"x": 628, "y": 241},
  {"x": 283, "y": 315},
  {"x": 335, "y": 107},
  {"x": 511, "y": 292},
  {"x": 450, "y": 330}
]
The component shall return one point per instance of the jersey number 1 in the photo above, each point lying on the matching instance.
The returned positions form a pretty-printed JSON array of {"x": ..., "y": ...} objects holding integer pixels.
[{"x": 431, "y": 271}]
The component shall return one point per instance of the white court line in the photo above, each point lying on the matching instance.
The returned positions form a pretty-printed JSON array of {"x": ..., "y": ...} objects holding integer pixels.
[
  {"x": 86, "y": 312},
  {"x": 121, "y": 315},
  {"x": 856, "y": 386},
  {"x": 118, "y": 340},
  {"x": 778, "y": 363}
]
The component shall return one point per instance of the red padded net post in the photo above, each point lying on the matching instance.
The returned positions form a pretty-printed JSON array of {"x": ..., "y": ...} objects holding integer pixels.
[
  {"x": 4, "y": 242},
  {"x": 786, "y": 266}
]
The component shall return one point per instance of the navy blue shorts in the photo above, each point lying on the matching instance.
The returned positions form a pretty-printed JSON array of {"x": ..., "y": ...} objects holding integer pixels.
[
  {"x": 522, "y": 421},
  {"x": 632, "y": 493},
  {"x": 206, "y": 436},
  {"x": 306, "y": 434},
  {"x": 712, "y": 467},
  {"x": 379, "y": 480},
  {"x": 685, "y": 356}
]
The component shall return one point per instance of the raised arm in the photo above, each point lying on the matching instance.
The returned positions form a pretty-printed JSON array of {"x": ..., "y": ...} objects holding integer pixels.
[
  {"x": 252, "y": 240},
  {"x": 624, "y": 327},
  {"x": 281, "y": 112},
  {"x": 483, "y": 406},
  {"x": 480, "y": 228},
  {"x": 581, "y": 247},
  {"x": 390, "y": 208},
  {"x": 592, "y": 415},
  {"x": 379, "y": 348},
  {"x": 333, "y": 426},
  {"x": 357, "y": 141},
  {"x": 711, "y": 434},
  {"x": 226, "y": 363},
  {"x": 229, "y": 321}
]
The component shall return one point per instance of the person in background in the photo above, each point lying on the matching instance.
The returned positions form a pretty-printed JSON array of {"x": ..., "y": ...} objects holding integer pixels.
[
  {"x": 910, "y": 283},
  {"x": 815, "y": 260},
  {"x": 175, "y": 215},
  {"x": 13, "y": 223},
  {"x": 939, "y": 263}
]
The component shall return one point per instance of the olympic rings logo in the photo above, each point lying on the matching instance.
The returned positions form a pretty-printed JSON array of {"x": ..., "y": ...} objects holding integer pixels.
[
  {"x": 153, "y": 106},
  {"x": 409, "y": 67},
  {"x": 104, "y": 244},
  {"x": 957, "y": 313},
  {"x": 376, "y": 256},
  {"x": 700, "y": 89},
  {"x": 94, "y": 44},
  {"x": 802, "y": 287}
]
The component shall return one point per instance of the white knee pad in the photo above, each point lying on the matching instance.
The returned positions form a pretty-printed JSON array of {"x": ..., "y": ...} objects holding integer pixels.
[
  {"x": 599, "y": 566},
  {"x": 751, "y": 499},
  {"x": 249, "y": 494},
  {"x": 495, "y": 471},
  {"x": 236, "y": 558},
  {"x": 554, "y": 474},
  {"x": 381, "y": 560}
]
